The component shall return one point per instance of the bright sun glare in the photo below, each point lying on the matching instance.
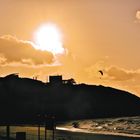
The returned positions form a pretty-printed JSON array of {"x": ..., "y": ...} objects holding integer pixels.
[{"x": 49, "y": 38}]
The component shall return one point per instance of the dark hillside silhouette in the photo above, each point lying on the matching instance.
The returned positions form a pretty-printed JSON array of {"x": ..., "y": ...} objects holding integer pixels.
[{"x": 23, "y": 99}]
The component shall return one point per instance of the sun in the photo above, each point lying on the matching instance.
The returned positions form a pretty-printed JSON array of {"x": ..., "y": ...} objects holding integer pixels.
[{"x": 48, "y": 37}]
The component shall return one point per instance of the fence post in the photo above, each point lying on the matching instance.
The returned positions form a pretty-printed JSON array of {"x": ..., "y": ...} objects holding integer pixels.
[
  {"x": 39, "y": 132},
  {"x": 8, "y": 132}
]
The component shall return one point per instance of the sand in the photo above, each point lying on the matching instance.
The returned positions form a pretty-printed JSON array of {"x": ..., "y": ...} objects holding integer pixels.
[
  {"x": 31, "y": 134},
  {"x": 67, "y": 135}
]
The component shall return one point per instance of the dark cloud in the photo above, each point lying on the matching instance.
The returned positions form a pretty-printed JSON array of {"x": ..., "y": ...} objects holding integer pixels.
[{"x": 13, "y": 50}]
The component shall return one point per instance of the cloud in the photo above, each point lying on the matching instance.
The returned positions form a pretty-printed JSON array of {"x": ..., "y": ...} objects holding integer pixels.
[
  {"x": 120, "y": 74},
  {"x": 138, "y": 15},
  {"x": 15, "y": 51},
  {"x": 93, "y": 70},
  {"x": 114, "y": 76},
  {"x": 125, "y": 79},
  {"x": 110, "y": 73}
]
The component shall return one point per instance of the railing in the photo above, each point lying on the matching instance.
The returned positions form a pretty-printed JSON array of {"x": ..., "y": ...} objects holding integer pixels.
[{"x": 31, "y": 133}]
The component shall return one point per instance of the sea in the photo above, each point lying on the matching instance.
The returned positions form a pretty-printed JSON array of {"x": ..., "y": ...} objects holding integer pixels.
[{"x": 117, "y": 126}]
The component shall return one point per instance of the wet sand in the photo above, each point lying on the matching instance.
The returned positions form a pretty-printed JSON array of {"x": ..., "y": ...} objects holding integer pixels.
[{"x": 67, "y": 135}]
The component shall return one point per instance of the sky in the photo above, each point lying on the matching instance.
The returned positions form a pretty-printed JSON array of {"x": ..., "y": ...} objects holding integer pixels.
[{"x": 97, "y": 35}]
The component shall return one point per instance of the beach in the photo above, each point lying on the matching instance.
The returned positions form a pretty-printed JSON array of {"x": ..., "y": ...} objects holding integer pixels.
[
  {"x": 67, "y": 135},
  {"x": 71, "y": 135},
  {"x": 123, "y": 128}
]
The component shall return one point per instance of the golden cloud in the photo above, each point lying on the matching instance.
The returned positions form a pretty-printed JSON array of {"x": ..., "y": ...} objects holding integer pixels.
[
  {"x": 120, "y": 74},
  {"x": 13, "y": 50},
  {"x": 112, "y": 72},
  {"x": 138, "y": 15}
]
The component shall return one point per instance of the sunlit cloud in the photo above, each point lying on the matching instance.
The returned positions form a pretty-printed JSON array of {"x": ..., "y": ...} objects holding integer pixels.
[
  {"x": 121, "y": 74},
  {"x": 114, "y": 76},
  {"x": 137, "y": 16},
  {"x": 124, "y": 78},
  {"x": 15, "y": 51},
  {"x": 112, "y": 73},
  {"x": 93, "y": 70}
]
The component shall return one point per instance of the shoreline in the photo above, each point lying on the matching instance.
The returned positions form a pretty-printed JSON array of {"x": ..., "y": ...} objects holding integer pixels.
[
  {"x": 76, "y": 130},
  {"x": 73, "y": 134},
  {"x": 68, "y": 135}
]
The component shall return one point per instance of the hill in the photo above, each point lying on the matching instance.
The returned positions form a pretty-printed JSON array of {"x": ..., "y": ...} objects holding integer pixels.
[{"x": 23, "y": 99}]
